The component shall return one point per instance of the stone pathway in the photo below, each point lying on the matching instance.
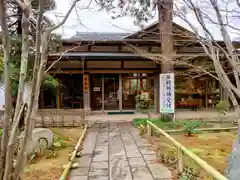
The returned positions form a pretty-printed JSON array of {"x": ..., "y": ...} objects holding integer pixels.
[{"x": 115, "y": 151}]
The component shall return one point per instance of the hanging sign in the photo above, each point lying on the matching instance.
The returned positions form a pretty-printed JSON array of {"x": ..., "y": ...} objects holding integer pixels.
[
  {"x": 167, "y": 93},
  {"x": 96, "y": 89},
  {"x": 85, "y": 83}
]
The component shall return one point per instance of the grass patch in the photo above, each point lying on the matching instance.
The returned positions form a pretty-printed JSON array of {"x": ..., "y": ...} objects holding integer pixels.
[
  {"x": 139, "y": 121},
  {"x": 168, "y": 125},
  {"x": 214, "y": 148},
  {"x": 0, "y": 132},
  {"x": 157, "y": 121}
]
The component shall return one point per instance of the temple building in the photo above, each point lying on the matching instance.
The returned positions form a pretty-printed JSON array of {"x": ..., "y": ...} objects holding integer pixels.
[{"x": 105, "y": 71}]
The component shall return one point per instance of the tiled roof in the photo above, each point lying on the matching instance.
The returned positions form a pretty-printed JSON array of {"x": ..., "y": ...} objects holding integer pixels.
[{"x": 99, "y": 36}]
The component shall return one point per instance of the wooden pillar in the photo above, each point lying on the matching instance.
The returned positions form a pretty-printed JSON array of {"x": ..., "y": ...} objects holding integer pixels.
[
  {"x": 86, "y": 91},
  {"x": 156, "y": 93},
  {"x": 102, "y": 92},
  {"x": 206, "y": 94},
  {"x": 58, "y": 96},
  {"x": 141, "y": 83},
  {"x": 223, "y": 93},
  {"x": 120, "y": 93}
]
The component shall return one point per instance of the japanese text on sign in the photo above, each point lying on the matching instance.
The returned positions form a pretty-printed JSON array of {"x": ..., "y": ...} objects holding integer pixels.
[
  {"x": 167, "y": 98},
  {"x": 85, "y": 83}
]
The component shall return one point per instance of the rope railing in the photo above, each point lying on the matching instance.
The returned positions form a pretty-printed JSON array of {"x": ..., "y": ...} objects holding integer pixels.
[{"x": 182, "y": 151}]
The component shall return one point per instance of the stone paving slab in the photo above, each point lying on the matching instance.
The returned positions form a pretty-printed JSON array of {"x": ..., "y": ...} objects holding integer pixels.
[
  {"x": 100, "y": 153},
  {"x": 139, "y": 169},
  {"x": 79, "y": 178},
  {"x": 115, "y": 151}
]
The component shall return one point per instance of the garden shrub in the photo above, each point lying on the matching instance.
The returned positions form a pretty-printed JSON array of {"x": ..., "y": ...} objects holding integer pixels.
[
  {"x": 190, "y": 127},
  {"x": 59, "y": 143},
  {"x": 222, "y": 107},
  {"x": 168, "y": 156},
  {"x": 143, "y": 102},
  {"x": 189, "y": 174}
]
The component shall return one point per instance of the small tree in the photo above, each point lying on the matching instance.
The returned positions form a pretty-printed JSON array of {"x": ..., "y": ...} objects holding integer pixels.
[
  {"x": 222, "y": 108},
  {"x": 143, "y": 103},
  {"x": 11, "y": 167}
]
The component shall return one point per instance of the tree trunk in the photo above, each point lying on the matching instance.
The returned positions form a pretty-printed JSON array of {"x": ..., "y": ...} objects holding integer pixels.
[
  {"x": 19, "y": 33},
  {"x": 165, "y": 19},
  {"x": 19, "y": 105},
  {"x": 7, "y": 86},
  {"x": 30, "y": 115}
]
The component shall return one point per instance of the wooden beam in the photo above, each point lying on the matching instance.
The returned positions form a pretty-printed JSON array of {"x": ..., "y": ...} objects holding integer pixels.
[
  {"x": 105, "y": 71},
  {"x": 186, "y": 47}
]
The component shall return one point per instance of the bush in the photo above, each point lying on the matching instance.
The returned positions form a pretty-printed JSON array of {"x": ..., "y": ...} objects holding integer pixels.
[
  {"x": 59, "y": 143},
  {"x": 222, "y": 106},
  {"x": 190, "y": 127},
  {"x": 143, "y": 102}
]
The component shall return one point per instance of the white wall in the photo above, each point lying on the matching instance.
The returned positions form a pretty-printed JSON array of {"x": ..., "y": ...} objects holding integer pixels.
[
  {"x": 26, "y": 94},
  {"x": 2, "y": 98}
]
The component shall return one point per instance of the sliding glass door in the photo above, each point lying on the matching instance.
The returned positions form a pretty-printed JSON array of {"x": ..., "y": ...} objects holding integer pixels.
[
  {"x": 132, "y": 85},
  {"x": 104, "y": 91},
  {"x": 111, "y": 89}
]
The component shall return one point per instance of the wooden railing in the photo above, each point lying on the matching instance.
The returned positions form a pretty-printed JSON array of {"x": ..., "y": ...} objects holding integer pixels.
[{"x": 182, "y": 151}]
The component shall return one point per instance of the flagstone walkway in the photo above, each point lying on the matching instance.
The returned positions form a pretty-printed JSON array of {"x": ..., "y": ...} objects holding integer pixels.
[{"x": 115, "y": 151}]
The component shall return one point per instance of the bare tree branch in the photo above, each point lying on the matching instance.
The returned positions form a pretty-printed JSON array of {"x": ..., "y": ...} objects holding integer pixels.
[
  {"x": 60, "y": 57},
  {"x": 65, "y": 17},
  {"x": 21, "y": 4}
]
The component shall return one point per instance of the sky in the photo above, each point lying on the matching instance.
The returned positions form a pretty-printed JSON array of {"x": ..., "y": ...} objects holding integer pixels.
[
  {"x": 93, "y": 20},
  {"x": 89, "y": 20}
]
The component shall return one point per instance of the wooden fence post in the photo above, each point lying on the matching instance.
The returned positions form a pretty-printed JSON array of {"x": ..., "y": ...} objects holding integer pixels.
[
  {"x": 149, "y": 129},
  {"x": 180, "y": 161}
]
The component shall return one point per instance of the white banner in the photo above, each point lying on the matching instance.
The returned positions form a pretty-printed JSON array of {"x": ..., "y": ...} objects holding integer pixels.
[{"x": 167, "y": 93}]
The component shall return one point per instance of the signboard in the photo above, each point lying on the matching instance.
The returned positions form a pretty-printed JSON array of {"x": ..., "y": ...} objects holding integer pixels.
[
  {"x": 96, "y": 89},
  {"x": 85, "y": 83},
  {"x": 167, "y": 93}
]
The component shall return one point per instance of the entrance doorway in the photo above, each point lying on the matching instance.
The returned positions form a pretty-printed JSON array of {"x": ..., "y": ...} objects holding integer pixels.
[
  {"x": 133, "y": 84},
  {"x": 96, "y": 91},
  {"x": 104, "y": 91},
  {"x": 111, "y": 89}
]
